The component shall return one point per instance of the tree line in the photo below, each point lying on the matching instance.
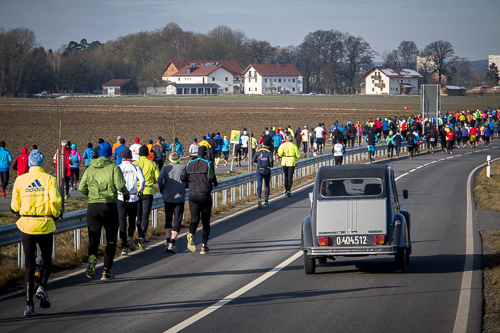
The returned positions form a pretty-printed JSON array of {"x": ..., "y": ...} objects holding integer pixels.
[{"x": 330, "y": 61}]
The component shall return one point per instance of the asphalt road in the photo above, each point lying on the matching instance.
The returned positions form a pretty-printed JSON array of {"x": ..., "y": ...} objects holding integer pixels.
[{"x": 155, "y": 291}]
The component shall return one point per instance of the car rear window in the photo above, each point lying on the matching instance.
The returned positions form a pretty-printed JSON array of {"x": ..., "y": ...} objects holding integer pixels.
[{"x": 352, "y": 187}]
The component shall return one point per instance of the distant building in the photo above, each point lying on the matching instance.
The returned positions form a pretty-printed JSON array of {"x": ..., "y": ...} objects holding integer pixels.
[
  {"x": 381, "y": 80},
  {"x": 494, "y": 59},
  {"x": 201, "y": 77},
  {"x": 270, "y": 79},
  {"x": 118, "y": 87},
  {"x": 454, "y": 90}
]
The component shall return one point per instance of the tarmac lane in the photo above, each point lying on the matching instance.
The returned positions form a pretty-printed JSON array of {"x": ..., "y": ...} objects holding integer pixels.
[{"x": 253, "y": 279}]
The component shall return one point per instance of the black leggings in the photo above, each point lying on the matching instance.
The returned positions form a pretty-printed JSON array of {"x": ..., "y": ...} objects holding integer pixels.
[
  {"x": 266, "y": 176},
  {"x": 143, "y": 209},
  {"x": 5, "y": 178},
  {"x": 29, "y": 247},
  {"x": 288, "y": 176},
  {"x": 75, "y": 176},
  {"x": 101, "y": 215},
  {"x": 200, "y": 204},
  {"x": 338, "y": 160},
  {"x": 126, "y": 209},
  {"x": 175, "y": 209}
]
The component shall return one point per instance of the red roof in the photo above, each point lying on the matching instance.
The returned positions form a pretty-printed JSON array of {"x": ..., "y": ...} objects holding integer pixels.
[
  {"x": 395, "y": 72},
  {"x": 274, "y": 69},
  {"x": 230, "y": 65},
  {"x": 116, "y": 82}
]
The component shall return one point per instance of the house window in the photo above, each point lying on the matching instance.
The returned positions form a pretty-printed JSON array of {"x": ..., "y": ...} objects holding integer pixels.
[
  {"x": 265, "y": 80},
  {"x": 373, "y": 81},
  {"x": 255, "y": 88},
  {"x": 226, "y": 78},
  {"x": 293, "y": 80},
  {"x": 172, "y": 69},
  {"x": 226, "y": 88},
  {"x": 279, "y": 80},
  {"x": 373, "y": 89},
  {"x": 248, "y": 79},
  {"x": 401, "y": 81},
  {"x": 249, "y": 89},
  {"x": 213, "y": 79},
  {"x": 274, "y": 80},
  {"x": 380, "y": 89},
  {"x": 288, "y": 80},
  {"x": 293, "y": 89},
  {"x": 178, "y": 79},
  {"x": 396, "y": 89}
]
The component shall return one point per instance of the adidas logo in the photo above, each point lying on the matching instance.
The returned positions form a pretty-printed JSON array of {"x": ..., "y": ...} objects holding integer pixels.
[{"x": 35, "y": 187}]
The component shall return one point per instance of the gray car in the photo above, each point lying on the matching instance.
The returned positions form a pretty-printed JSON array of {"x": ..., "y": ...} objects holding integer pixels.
[{"x": 355, "y": 211}]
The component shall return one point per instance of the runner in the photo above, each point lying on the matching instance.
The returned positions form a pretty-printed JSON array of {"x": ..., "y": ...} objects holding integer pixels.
[
  {"x": 201, "y": 179},
  {"x": 173, "y": 190},
  {"x": 145, "y": 202},
  {"x": 371, "y": 139},
  {"x": 87, "y": 154},
  {"x": 157, "y": 147},
  {"x": 117, "y": 152},
  {"x": 21, "y": 162},
  {"x": 5, "y": 161},
  {"x": 135, "y": 149},
  {"x": 319, "y": 131},
  {"x": 226, "y": 145},
  {"x": 218, "y": 149},
  {"x": 37, "y": 209},
  {"x": 338, "y": 152},
  {"x": 411, "y": 142},
  {"x": 101, "y": 183},
  {"x": 75, "y": 159},
  {"x": 264, "y": 160},
  {"x": 134, "y": 181},
  {"x": 398, "y": 138},
  {"x": 193, "y": 149},
  {"x": 288, "y": 153}
]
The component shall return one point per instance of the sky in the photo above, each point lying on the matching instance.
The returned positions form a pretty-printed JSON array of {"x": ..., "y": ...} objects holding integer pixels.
[{"x": 470, "y": 26}]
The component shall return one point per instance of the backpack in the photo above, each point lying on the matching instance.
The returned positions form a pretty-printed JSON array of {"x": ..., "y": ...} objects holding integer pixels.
[{"x": 156, "y": 149}]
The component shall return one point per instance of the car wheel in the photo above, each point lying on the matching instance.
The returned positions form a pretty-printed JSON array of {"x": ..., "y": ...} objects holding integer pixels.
[
  {"x": 309, "y": 264},
  {"x": 399, "y": 260},
  {"x": 322, "y": 260}
]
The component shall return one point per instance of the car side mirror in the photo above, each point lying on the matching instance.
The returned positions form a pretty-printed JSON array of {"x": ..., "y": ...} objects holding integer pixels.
[
  {"x": 311, "y": 198},
  {"x": 405, "y": 194}
]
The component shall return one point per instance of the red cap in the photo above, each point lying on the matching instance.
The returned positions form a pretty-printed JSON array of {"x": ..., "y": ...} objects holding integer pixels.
[
  {"x": 136, "y": 140},
  {"x": 24, "y": 150}
]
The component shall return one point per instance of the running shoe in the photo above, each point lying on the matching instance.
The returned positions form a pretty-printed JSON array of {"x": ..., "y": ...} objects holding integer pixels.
[
  {"x": 130, "y": 244},
  {"x": 106, "y": 275},
  {"x": 29, "y": 311},
  {"x": 285, "y": 193},
  {"x": 90, "y": 271},
  {"x": 204, "y": 249},
  {"x": 288, "y": 194},
  {"x": 259, "y": 204},
  {"x": 190, "y": 244},
  {"x": 142, "y": 243},
  {"x": 169, "y": 247},
  {"x": 125, "y": 251},
  {"x": 266, "y": 204},
  {"x": 41, "y": 294}
]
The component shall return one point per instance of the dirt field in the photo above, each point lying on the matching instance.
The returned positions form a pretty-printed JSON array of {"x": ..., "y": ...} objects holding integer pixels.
[{"x": 37, "y": 121}]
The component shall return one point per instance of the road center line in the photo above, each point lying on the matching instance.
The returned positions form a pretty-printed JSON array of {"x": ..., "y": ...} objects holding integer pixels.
[{"x": 234, "y": 295}]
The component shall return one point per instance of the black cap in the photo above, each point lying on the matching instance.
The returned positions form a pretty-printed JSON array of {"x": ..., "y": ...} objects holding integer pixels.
[
  {"x": 143, "y": 151},
  {"x": 127, "y": 154}
]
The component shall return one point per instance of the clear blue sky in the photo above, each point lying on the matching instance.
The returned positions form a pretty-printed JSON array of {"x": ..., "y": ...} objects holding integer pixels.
[{"x": 471, "y": 26}]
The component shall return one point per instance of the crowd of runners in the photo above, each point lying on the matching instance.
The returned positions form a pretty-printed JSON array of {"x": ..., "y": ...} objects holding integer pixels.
[{"x": 118, "y": 179}]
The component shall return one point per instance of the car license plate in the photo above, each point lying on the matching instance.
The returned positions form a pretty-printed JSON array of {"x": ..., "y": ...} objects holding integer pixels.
[{"x": 351, "y": 240}]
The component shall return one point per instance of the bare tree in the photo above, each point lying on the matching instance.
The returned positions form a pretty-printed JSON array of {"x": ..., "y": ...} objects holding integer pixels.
[
  {"x": 407, "y": 53},
  {"x": 442, "y": 55},
  {"x": 391, "y": 58},
  {"x": 260, "y": 51},
  {"x": 358, "y": 57}
]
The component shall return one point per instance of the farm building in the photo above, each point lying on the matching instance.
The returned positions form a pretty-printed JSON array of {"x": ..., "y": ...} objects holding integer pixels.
[
  {"x": 272, "y": 79},
  {"x": 197, "y": 77},
  {"x": 120, "y": 87},
  {"x": 453, "y": 90},
  {"x": 381, "y": 80}
]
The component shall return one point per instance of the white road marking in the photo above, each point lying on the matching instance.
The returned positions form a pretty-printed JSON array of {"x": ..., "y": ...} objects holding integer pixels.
[
  {"x": 420, "y": 167},
  {"x": 234, "y": 295}
]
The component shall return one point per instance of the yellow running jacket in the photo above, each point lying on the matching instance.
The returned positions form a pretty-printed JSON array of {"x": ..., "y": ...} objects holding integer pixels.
[
  {"x": 35, "y": 193},
  {"x": 288, "y": 152}
]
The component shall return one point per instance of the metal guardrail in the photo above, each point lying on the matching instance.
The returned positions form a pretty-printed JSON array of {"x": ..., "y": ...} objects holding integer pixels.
[{"x": 74, "y": 221}]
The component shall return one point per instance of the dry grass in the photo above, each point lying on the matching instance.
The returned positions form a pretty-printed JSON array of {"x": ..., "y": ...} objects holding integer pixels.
[{"x": 487, "y": 197}]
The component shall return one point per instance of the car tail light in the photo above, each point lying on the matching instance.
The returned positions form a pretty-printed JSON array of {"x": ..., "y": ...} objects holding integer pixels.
[
  {"x": 379, "y": 239},
  {"x": 324, "y": 241}
]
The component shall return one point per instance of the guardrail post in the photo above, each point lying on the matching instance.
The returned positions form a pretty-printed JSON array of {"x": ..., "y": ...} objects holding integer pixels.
[
  {"x": 274, "y": 182},
  {"x": 20, "y": 255},
  {"x": 77, "y": 239},
  {"x": 233, "y": 194},
  {"x": 53, "y": 247},
  {"x": 280, "y": 180},
  {"x": 224, "y": 197},
  {"x": 154, "y": 217},
  {"x": 254, "y": 187},
  {"x": 249, "y": 189},
  {"x": 215, "y": 199},
  {"x": 242, "y": 195}
]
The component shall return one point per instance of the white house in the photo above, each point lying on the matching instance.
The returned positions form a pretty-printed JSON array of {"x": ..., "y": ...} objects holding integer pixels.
[
  {"x": 183, "y": 77},
  {"x": 381, "y": 80},
  {"x": 272, "y": 79}
]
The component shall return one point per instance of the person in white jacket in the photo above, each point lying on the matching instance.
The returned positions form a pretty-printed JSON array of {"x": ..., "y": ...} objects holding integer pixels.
[
  {"x": 338, "y": 152},
  {"x": 135, "y": 149},
  {"x": 133, "y": 176}
]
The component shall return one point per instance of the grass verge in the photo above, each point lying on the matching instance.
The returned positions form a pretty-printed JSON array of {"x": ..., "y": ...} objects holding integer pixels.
[{"x": 487, "y": 196}]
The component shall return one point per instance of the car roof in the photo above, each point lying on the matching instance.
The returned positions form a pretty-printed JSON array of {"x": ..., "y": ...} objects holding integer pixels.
[{"x": 352, "y": 171}]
